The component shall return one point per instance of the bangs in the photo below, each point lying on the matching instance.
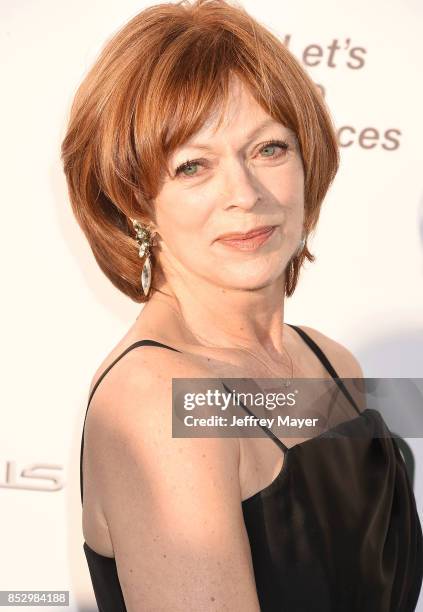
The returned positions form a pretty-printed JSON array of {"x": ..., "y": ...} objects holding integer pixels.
[{"x": 191, "y": 84}]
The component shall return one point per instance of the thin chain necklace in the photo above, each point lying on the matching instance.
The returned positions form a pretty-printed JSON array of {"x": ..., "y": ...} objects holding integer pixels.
[
  {"x": 241, "y": 348},
  {"x": 287, "y": 382}
]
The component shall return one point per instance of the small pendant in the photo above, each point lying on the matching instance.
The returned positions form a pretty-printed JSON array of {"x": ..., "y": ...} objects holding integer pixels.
[{"x": 146, "y": 275}]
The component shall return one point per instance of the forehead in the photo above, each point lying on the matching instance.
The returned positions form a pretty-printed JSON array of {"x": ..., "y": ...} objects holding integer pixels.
[{"x": 238, "y": 117}]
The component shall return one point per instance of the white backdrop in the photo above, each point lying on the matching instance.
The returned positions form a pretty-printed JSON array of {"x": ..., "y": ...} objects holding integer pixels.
[{"x": 60, "y": 313}]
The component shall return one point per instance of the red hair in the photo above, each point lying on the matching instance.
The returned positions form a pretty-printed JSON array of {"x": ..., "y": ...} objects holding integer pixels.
[{"x": 151, "y": 88}]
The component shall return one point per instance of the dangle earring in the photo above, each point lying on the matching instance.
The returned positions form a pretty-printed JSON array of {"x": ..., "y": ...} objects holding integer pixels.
[
  {"x": 144, "y": 239},
  {"x": 301, "y": 246}
]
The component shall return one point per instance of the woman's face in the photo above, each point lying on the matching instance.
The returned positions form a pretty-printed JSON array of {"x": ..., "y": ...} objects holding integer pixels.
[{"x": 234, "y": 182}]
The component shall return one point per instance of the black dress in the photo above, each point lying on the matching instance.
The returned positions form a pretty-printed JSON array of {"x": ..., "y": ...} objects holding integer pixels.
[{"x": 336, "y": 531}]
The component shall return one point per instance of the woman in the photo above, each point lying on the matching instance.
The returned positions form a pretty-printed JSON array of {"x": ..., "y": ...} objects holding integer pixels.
[{"x": 196, "y": 124}]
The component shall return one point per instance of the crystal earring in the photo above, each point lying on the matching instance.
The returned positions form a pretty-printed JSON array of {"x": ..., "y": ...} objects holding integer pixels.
[{"x": 144, "y": 239}]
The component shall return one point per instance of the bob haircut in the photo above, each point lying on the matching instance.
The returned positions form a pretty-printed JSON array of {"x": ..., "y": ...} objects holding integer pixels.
[{"x": 152, "y": 87}]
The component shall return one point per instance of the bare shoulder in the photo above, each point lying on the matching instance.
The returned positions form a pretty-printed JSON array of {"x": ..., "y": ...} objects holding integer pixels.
[
  {"x": 136, "y": 393},
  {"x": 132, "y": 407},
  {"x": 172, "y": 505},
  {"x": 342, "y": 359}
]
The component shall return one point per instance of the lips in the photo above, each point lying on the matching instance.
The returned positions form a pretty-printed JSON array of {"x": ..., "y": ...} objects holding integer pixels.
[
  {"x": 245, "y": 236},
  {"x": 249, "y": 242}
]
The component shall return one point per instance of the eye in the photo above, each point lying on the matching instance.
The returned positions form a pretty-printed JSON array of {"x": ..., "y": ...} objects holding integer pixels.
[
  {"x": 187, "y": 165},
  {"x": 191, "y": 163},
  {"x": 271, "y": 144}
]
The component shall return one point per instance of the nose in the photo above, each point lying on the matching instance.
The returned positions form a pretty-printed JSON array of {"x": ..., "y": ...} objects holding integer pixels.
[{"x": 240, "y": 186}]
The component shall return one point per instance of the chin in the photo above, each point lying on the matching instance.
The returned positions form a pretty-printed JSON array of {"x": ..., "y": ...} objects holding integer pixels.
[{"x": 252, "y": 281}]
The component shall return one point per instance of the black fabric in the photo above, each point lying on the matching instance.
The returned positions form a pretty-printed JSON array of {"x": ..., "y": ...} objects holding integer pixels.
[{"x": 336, "y": 531}]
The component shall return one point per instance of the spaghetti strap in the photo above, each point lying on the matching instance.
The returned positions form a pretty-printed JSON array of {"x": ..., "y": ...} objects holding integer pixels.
[
  {"x": 325, "y": 361},
  {"x": 145, "y": 342},
  {"x": 266, "y": 430},
  {"x": 129, "y": 348}
]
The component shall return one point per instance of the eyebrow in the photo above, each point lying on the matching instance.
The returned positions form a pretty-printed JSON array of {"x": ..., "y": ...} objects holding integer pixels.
[{"x": 250, "y": 135}]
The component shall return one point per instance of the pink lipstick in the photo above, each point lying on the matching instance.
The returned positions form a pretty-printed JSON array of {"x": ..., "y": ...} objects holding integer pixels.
[{"x": 251, "y": 242}]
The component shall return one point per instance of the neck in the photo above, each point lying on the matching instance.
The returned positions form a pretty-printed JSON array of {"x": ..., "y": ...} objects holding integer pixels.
[{"x": 252, "y": 319}]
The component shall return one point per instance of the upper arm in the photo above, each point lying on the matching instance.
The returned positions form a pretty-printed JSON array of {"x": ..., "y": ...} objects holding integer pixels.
[
  {"x": 345, "y": 363},
  {"x": 172, "y": 505}
]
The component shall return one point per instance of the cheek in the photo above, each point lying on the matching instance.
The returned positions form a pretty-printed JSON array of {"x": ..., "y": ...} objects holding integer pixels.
[
  {"x": 183, "y": 219},
  {"x": 287, "y": 186}
]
